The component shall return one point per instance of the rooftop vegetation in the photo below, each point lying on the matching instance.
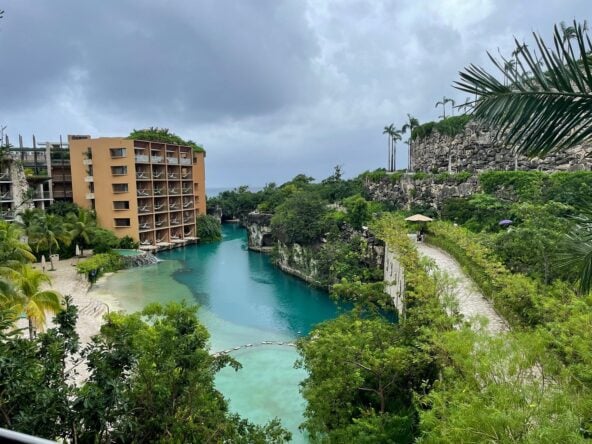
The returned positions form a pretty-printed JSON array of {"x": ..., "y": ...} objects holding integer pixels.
[
  {"x": 155, "y": 134},
  {"x": 449, "y": 126}
]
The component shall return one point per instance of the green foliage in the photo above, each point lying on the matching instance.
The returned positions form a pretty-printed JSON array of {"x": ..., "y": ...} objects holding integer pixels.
[
  {"x": 62, "y": 209},
  {"x": 526, "y": 185},
  {"x": 345, "y": 258},
  {"x": 358, "y": 211},
  {"x": 541, "y": 104},
  {"x": 452, "y": 178},
  {"x": 155, "y": 134},
  {"x": 449, "y": 126},
  {"x": 208, "y": 228},
  {"x": 151, "y": 380},
  {"x": 100, "y": 263},
  {"x": 103, "y": 241},
  {"x": 128, "y": 243},
  {"x": 299, "y": 219}
]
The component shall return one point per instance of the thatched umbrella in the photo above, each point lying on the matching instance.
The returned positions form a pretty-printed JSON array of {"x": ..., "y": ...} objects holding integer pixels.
[{"x": 419, "y": 218}]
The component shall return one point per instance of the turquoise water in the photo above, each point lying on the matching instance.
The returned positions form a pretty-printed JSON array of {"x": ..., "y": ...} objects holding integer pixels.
[{"x": 243, "y": 300}]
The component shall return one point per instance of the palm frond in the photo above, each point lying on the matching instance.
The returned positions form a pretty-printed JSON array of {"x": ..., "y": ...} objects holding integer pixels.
[{"x": 547, "y": 104}]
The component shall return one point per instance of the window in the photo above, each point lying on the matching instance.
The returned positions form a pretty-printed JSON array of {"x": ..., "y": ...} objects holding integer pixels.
[
  {"x": 119, "y": 170},
  {"x": 121, "y": 205},
  {"x": 120, "y": 188},
  {"x": 122, "y": 222},
  {"x": 117, "y": 152}
]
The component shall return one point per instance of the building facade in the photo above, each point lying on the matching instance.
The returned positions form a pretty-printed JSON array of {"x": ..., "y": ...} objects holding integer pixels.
[{"x": 151, "y": 191}]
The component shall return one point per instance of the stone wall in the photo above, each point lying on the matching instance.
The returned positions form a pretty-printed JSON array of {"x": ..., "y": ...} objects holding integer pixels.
[
  {"x": 409, "y": 191},
  {"x": 475, "y": 150}
]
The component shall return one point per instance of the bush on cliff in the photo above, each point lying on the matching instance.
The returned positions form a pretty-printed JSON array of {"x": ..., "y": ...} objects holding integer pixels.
[{"x": 300, "y": 219}]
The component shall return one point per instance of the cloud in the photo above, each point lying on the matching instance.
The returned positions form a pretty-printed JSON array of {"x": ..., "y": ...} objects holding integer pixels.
[{"x": 272, "y": 88}]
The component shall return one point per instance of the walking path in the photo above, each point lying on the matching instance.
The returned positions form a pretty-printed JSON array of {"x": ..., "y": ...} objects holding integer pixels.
[{"x": 470, "y": 300}]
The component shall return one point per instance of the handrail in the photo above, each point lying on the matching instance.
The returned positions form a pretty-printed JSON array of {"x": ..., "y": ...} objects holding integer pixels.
[{"x": 12, "y": 437}]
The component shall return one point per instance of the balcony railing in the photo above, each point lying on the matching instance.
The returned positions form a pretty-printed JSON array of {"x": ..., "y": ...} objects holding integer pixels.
[
  {"x": 87, "y": 162},
  {"x": 6, "y": 196},
  {"x": 89, "y": 179},
  {"x": 173, "y": 176},
  {"x": 160, "y": 223},
  {"x": 7, "y": 215},
  {"x": 172, "y": 160},
  {"x": 175, "y": 221},
  {"x": 145, "y": 209},
  {"x": 144, "y": 193},
  {"x": 185, "y": 161},
  {"x": 158, "y": 174},
  {"x": 5, "y": 176},
  {"x": 158, "y": 191},
  {"x": 188, "y": 205},
  {"x": 143, "y": 175},
  {"x": 174, "y": 205},
  {"x": 186, "y": 190},
  {"x": 145, "y": 226},
  {"x": 186, "y": 176},
  {"x": 90, "y": 196},
  {"x": 160, "y": 207},
  {"x": 157, "y": 159},
  {"x": 142, "y": 158},
  {"x": 61, "y": 193},
  {"x": 173, "y": 191},
  {"x": 40, "y": 196}
]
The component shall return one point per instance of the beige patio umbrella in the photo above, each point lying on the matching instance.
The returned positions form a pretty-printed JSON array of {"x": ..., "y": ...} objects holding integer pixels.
[{"x": 419, "y": 218}]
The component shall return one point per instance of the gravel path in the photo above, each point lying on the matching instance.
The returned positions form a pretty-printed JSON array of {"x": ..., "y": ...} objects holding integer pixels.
[{"x": 471, "y": 301}]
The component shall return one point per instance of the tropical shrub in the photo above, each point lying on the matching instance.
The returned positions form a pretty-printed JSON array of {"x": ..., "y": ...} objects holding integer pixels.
[
  {"x": 96, "y": 265},
  {"x": 163, "y": 135},
  {"x": 299, "y": 219},
  {"x": 208, "y": 228}
]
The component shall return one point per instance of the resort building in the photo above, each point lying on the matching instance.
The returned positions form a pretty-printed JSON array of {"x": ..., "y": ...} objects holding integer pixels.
[
  {"x": 151, "y": 191},
  {"x": 26, "y": 177}
]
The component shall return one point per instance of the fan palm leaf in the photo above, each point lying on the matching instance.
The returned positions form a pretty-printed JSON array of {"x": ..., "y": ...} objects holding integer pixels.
[{"x": 544, "y": 107}]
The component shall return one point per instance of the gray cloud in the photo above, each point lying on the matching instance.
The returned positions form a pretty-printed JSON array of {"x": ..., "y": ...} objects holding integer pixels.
[{"x": 271, "y": 87}]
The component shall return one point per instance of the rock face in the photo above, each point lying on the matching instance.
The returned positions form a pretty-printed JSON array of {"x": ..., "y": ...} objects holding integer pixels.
[
  {"x": 475, "y": 150},
  {"x": 300, "y": 260},
  {"x": 259, "y": 232},
  {"x": 140, "y": 260},
  {"x": 428, "y": 192}
]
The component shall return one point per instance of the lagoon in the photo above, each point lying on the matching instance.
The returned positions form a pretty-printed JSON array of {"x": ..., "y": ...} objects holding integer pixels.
[{"x": 243, "y": 300}]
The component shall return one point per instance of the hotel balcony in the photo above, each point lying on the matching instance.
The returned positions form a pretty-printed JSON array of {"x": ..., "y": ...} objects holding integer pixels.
[
  {"x": 89, "y": 179},
  {"x": 187, "y": 205},
  {"x": 144, "y": 192},
  {"x": 174, "y": 191},
  {"x": 187, "y": 190},
  {"x": 60, "y": 194},
  {"x": 161, "y": 222},
  {"x": 185, "y": 161},
  {"x": 173, "y": 176},
  {"x": 5, "y": 176},
  {"x": 6, "y": 196},
  {"x": 7, "y": 214},
  {"x": 41, "y": 195},
  {"x": 142, "y": 158},
  {"x": 172, "y": 161},
  {"x": 160, "y": 207},
  {"x": 90, "y": 196},
  {"x": 159, "y": 191},
  {"x": 159, "y": 174},
  {"x": 175, "y": 221},
  {"x": 157, "y": 159},
  {"x": 87, "y": 162},
  {"x": 174, "y": 205},
  {"x": 145, "y": 226},
  {"x": 143, "y": 175},
  {"x": 145, "y": 208},
  {"x": 186, "y": 176}
]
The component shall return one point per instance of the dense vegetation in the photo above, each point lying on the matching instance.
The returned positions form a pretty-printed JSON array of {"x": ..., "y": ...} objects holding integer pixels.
[
  {"x": 208, "y": 228},
  {"x": 448, "y": 126},
  {"x": 156, "y": 134}
]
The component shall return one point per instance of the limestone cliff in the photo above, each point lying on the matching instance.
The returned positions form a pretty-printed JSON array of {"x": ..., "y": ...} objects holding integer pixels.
[{"x": 475, "y": 149}]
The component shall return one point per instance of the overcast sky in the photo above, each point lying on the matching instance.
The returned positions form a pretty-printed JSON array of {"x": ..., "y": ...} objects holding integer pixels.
[{"x": 271, "y": 88}]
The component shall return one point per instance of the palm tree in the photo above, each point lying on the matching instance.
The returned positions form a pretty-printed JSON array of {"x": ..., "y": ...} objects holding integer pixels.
[
  {"x": 12, "y": 250},
  {"x": 412, "y": 123},
  {"x": 544, "y": 108},
  {"x": 26, "y": 296},
  {"x": 395, "y": 136},
  {"x": 443, "y": 103},
  {"x": 577, "y": 252},
  {"x": 48, "y": 233},
  {"x": 82, "y": 226},
  {"x": 388, "y": 130}
]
